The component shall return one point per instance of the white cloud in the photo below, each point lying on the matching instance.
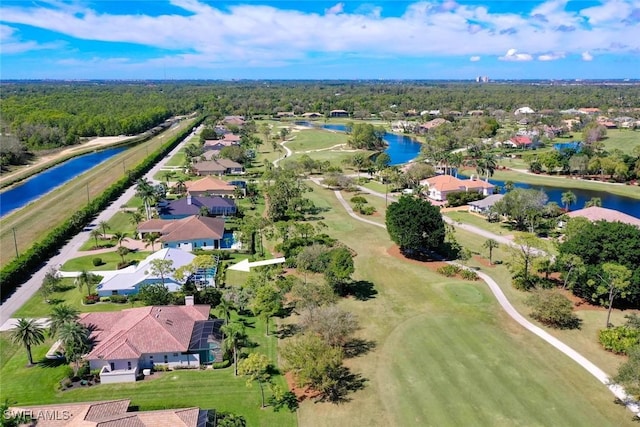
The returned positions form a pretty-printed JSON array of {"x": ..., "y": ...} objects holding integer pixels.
[
  {"x": 335, "y": 9},
  {"x": 586, "y": 56},
  {"x": 513, "y": 55},
  {"x": 12, "y": 44},
  {"x": 242, "y": 33},
  {"x": 474, "y": 58},
  {"x": 551, "y": 56}
]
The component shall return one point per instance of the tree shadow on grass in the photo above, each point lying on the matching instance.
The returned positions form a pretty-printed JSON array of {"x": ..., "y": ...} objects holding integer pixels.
[
  {"x": 345, "y": 383},
  {"x": 357, "y": 347},
  {"x": 362, "y": 290},
  {"x": 52, "y": 363},
  {"x": 287, "y": 331}
]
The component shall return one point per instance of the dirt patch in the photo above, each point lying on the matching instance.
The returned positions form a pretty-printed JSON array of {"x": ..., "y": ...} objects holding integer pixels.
[
  {"x": 580, "y": 303},
  {"x": 301, "y": 393},
  {"x": 483, "y": 261},
  {"x": 432, "y": 265}
]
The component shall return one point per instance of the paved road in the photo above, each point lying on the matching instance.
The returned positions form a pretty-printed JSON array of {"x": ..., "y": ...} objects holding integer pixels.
[
  {"x": 71, "y": 249},
  {"x": 600, "y": 375}
]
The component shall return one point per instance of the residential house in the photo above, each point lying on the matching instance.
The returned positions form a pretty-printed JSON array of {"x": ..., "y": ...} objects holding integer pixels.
[
  {"x": 193, "y": 232},
  {"x": 129, "y": 280},
  {"x": 209, "y": 186},
  {"x": 193, "y": 205},
  {"x": 597, "y": 213},
  {"x": 281, "y": 114},
  {"x": 234, "y": 120},
  {"x": 432, "y": 124},
  {"x": 523, "y": 110},
  {"x": 219, "y": 167},
  {"x": 227, "y": 140},
  {"x": 484, "y": 206},
  {"x": 312, "y": 115},
  {"x": 440, "y": 186},
  {"x": 108, "y": 413},
  {"x": 130, "y": 341},
  {"x": 338, "y": 113},
  {"x": 519, "y": 141},
  {"x": 589, "y": 110}
]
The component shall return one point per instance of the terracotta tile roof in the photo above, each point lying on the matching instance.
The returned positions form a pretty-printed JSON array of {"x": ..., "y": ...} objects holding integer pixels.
[
  {"x": 521, "y": 140},
  {"x": 209, "y": 183},
  {"x": 444, "y": 183},
  {"x": 99, "y": 410},
  {"x": 596, "y": 213},
  {"x": 143, "y": 330},
  {"x": 153, "y": 225},
  {"x": 193, "y": 228}
]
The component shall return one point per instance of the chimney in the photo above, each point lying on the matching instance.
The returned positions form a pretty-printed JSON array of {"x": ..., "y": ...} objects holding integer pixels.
[
  {"x": 189, "y": 198},
  {"x": 188, "y": 300}
]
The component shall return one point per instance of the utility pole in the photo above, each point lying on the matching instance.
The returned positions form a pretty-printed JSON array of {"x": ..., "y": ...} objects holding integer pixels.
[{"x": 15, "y": 241}]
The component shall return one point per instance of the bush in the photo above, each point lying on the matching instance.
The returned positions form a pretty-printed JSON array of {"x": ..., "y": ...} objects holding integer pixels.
[
  {"x": 449, "y": 270},
  {"x": 367, "y": 210},
  {"x": 221, "y": 365},
  {"x": 105, "y": 299},
  {"x": 462, "y": 198},
  {"x": 91, "y": 299},
  {"x": 620, "y": 339},
  {"x": 358, "y": 199},
  {"x": 97, "y": 262},
  {"x": 553, "y": 309},
  {"x": 119, "y": 299},
  {"x": 469, "y": 275},
  {"x": 184, "y": 367}
]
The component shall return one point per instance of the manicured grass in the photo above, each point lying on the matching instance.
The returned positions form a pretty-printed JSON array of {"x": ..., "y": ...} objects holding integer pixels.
[
  {"x": 445, "y": 353},
  {"x": 121, "y": 222},
  {"x": 110, "y": 260},
  {"x": 469, "y": 218},
  {"x": 622, "y": 139},
  {"x": 315, "y": 139},
  {"x": 178, "y": 159},
  {"x": 33, "y": 221}
]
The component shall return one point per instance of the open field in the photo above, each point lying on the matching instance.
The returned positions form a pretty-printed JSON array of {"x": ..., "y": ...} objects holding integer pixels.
[
  {"x": 315, "y": 139},
  {"x": 110, "y": 260},
  {"x": 207, "y": 389},
  {"x": 32, "y": 222},
  {"x": 423, "y": 325},
  {"x": 620, "y": 139}
]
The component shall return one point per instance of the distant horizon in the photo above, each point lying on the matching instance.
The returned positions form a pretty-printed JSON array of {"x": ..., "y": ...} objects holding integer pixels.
[{"x": 176, "y": 40}]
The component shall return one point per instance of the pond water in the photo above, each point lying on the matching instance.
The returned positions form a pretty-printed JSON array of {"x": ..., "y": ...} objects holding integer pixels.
[
  {"x": 43, "y": 182},
  {"x": 400, "y": 148}
]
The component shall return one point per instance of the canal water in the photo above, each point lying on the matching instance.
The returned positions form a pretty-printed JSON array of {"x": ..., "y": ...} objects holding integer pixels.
[{"x": 43, "y": 182}]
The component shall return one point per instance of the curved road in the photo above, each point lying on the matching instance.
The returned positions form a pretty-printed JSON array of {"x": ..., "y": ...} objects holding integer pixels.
[
  {"x": 600, "y": 375},
  {"x": 71, "y": 249}
]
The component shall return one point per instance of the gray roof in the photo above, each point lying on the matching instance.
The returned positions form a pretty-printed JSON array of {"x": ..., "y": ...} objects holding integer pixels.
[{"x": 487, "y": 202}]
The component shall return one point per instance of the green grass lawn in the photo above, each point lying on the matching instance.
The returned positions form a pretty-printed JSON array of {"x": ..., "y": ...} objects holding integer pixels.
[
  {"x": 110, "y": 261},
  {"x": 622, "y": 139},
  {"x": 315, "y": 139},
  {"x": 445, "y": 352},
  {"x": 472, "y": 219},
  {"x": 178, "y": 159}
]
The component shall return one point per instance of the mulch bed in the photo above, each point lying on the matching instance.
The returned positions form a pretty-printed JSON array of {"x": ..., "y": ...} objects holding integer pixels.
[{"x": 301, "y": 393}]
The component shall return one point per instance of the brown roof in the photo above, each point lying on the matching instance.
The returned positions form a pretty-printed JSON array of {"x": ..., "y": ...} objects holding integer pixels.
[
  {"x": 192, "y": 228},
  {"x": 110, "y": 414},
  {"x": 596, "y": 213},
  {"x": 209, "y": 166},
  {"x": 153, "y": 225},
  {"x": 229, "y": 164},
  {"x": 209, "y": 184},
  {"x": 133, "y": 332}
]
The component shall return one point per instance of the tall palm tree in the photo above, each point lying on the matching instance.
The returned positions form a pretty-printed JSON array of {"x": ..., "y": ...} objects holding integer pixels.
[
  {"x": 28, "y": 333},
  {"x": 61, "y": 314},
  {"x": 85, "y": 280},
  {"x": 568, "y": 198},
  {"x": 168, "y": 175},
  {"x": 95, "y": 233},
  {"x": 75, "y": 340},
  {"x": 135, "y": 217},
  {"x": 486, "y": 165},
  {"x": 104, "y": 226},
  {"x": 225, "y": 308},
  {"x": 594, "y": 201},
  {"x": 490, "y": 244},
  {"x": 146, "y": 192},
  {"x": 180, "y": 186},
  {"x": 455, "y": 161},
  {"x": 151, "y": 239},
  {"x": 120, "y": 237},
  {"x": 234, "y": 339}
]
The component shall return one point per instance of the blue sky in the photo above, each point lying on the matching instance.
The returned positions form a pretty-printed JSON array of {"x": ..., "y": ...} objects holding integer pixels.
[{"x": 255, "y": 39}]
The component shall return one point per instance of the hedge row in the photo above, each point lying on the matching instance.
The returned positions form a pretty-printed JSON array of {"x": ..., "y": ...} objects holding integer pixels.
[{"x": 20, "y": 269}]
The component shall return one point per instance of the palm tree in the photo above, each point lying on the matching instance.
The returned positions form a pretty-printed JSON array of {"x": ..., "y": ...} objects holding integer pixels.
[
  {"x": 594, "y": 201},
  {"x": 490, "y": 244},
  {"x": 151, "y": 239},
  {"x": 120, "y": 237},
  {"x": 104, "y": 226},
  {"x": 75, "y": 340},
  {"x": 234, "y": 339},
  {"x": 135, "y": 218},
  {"x": 168, "y": 175},
  {"x": 180, "y": 186},
  {"x": 85, "y": 279},
  {"x": 28, "y": 333},
  {"x": 455, "y": 161},
  {"x": 146, "y": 192},
  {"x": 95, "y": 233},
  {"x": 225, "y": 308},
  {"x": 60, "y": 315},
  {"x": 123, "y": 251},
  {"x": 486, "y": 165},
  {"x": 568, "y": 198}
]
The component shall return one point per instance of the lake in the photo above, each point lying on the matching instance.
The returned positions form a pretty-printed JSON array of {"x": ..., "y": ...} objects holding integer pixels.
[
  {"x": 401, "y": 149},
  {"x": 45, "y": 181}
]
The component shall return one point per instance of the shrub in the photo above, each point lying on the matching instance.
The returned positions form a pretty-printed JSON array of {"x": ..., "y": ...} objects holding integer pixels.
[
  {"x": 105, "y": 299},
  {"x": 221, "y": 365},
  {"x": 462, "y": 198},
  {"x": 358, "y": 199},
  {"x": 552, "y": 308},
  {"x": 183, "y": 367},
  {"x": 119, "y": 299},
  {"x": 367, "y": 210},
  {"x": 91, "y": 299},
  {"x": 97, "y": 262},
  {"x": 619, "y": 339},
  {"x": 469, "y": 275},
  {"x": 449, "y": 270}
]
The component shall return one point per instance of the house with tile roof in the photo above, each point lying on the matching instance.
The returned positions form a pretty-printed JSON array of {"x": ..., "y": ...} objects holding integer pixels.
[
  {"x": 210, "y": 186},
  {"x": 217, "y": 166},
  {"x": 130, "y": 341},
  {"x": 194, "y": 205},
  {"x": 108, "y": 413},
  {"x": 439, "y": 186},
  {"x": 129, "y": 280},
  {"x": 597, "y": 213},
  {"x": 193, "y": 232}
]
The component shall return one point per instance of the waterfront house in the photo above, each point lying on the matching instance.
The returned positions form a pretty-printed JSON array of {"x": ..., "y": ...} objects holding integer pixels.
[
  {"x": 131, "y": 279},
  {"x": 193, "y": 232},
  {"x": 129, "y": 341},
  {"x": 597, "y": 213},
  {"x": 209, "y": 186},
  {"x": 484, "y": 206},
  {"x": 312, "y": 115},
  {"x": 194, "y": 205},
  {"x": 440, "y": 185},
  {"x": 338, "y": 113}
]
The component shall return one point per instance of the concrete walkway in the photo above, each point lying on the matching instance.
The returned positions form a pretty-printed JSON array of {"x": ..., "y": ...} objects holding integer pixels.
[
  {"x": 72, "y": 248},
  {"x": 600, "y": 375}
]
